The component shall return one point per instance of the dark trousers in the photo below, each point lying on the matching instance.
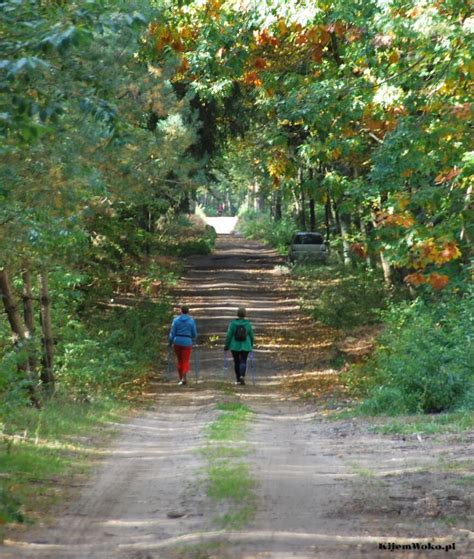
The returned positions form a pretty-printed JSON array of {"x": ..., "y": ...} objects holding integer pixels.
[{"x": 240, "y": 363}]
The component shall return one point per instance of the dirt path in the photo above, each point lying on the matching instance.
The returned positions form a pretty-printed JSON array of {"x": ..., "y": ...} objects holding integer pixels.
[{"x": 323, "y": 488}]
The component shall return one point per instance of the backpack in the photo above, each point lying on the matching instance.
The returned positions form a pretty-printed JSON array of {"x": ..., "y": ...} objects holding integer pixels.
[{"x": 240, "y": 333}]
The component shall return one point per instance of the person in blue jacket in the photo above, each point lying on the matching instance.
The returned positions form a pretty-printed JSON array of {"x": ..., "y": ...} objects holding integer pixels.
[{"x": 182, "y": 333}]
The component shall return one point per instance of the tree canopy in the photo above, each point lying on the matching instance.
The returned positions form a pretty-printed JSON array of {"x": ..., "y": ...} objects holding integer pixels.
[{"x": 363, "y": 104}]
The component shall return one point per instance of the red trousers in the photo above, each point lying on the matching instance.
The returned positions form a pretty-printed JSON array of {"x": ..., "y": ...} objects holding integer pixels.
[{"x": 183, "y": 353}]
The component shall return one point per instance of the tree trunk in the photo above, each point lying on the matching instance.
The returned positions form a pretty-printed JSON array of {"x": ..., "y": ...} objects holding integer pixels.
[
  {"x": 344, "y": 224},
  {"x": 302, "y": 202},
  {"x": 28, "y": 314},
  {"x": 327, "y": 217},
  {"x": 312, "y": 212},
  {"x": 386, "y": 268},
  {"x": 278, "y": 206},
  {"x": 312, "y": 215},
  {"x": 370, "y": 257},
  {"x": 18, "y": 331},
  {"x": 47, "y": 376},
  {"x": 257, "y": 205},
  {"x": 10, "y": 304}
]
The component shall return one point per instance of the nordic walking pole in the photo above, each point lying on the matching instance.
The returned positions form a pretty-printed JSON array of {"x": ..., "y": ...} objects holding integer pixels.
[
  {"x": 252, "y": 368},
  {"x": 196, "y": 364},
  {"x": 168, "y": 366},
  {"x": 225, "y": 365}
]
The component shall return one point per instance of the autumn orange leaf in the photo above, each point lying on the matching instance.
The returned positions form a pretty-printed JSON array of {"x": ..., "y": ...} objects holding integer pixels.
[
  {"x": 415, "y": 279},
  {"x": 438, "y": 281}
]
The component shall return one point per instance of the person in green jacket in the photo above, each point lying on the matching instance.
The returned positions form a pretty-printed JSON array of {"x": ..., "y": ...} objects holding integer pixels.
[{"x": 239, "y": 340}]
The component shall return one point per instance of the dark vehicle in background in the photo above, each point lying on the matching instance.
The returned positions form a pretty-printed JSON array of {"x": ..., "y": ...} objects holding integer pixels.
[{"x": 308, "y": 246}]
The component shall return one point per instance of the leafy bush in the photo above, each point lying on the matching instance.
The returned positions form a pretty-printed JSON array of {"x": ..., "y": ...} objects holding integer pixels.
[
  {"x": 185, "y": 235},
  {"x": 263, "y": 228},
  {"x": 113, "y": 350},
  {"x": 342, "y": 297},
  {"x": 424, "y": 360}
]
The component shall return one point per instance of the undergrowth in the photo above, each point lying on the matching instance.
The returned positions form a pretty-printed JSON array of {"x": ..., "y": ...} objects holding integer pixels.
[
  {"x": 423, "y": 361},
  {"x": 340, "y": 296},
  {"x": 262, "y": 228}
]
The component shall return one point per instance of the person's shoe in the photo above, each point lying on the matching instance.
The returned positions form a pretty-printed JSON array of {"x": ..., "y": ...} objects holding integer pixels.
[
  {"x": 237, "y": 382},
  {"x": 184, "y": 381},
  {"x": 242, "y": 381}
]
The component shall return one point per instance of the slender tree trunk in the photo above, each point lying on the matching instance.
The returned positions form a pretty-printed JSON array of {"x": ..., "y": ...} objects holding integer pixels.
[
  {"x": 47, "y": 376},
  {"x": 370, "y": 257},
  {"x": 386, "y": 268},
  {"x": 278, "y": 206},
  {"x": 18, "y": 331},
  {"x": 257, "y": 206},
  {"x": 327, "y": 217},
  {"x": 28, "y": 314},
  {"x": 302, "y": 202},
  {"x": 11, "y": 308},
  {"x": 344, "y": 224},
  {"x": 312, "y": 212},
  {"x": 312, "y": 215}
]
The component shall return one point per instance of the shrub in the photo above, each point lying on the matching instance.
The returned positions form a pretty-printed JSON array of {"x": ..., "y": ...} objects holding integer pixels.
[
  {"x": 424, "y": 360},
  {"x": 263, "y": 228},
  {"x": 340, "y": 296},
  {"x": 186, "y": 235},
  {"x": 115, "y": 348}
]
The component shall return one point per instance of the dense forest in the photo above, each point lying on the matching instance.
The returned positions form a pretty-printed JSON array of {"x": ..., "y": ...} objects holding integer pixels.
[{"x": 120, "y": 119}]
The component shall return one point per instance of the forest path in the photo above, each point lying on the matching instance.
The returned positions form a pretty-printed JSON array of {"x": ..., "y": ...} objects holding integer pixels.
[{"x": 323, "y": 489}]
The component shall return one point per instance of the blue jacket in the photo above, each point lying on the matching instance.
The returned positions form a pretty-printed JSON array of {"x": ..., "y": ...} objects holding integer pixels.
[{"x": 183, "y": 330}]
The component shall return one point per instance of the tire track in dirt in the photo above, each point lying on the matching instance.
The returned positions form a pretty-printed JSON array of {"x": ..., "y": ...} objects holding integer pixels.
[{"x": 324, "y": 488}]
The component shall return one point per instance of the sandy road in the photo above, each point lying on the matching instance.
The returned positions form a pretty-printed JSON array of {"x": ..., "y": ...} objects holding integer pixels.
[{"x": 323, "y": 488}]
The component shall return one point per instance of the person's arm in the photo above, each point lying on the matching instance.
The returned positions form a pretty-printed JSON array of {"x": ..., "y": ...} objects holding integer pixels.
[
  {"x": 172, "y": 333},
  {"x": 228, "y": 338},
  {"x": 251, "y": 334},
  {"x": 193, "y": 330}
]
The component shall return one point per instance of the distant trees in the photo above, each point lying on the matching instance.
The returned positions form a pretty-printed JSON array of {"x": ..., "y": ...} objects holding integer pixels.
[{"x": 359, "y": 114}]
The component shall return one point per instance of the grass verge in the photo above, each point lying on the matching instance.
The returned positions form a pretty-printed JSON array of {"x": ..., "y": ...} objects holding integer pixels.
[
  {"x": 41, "y": 450},
  {"x": 228, "y": 477},
  {"x": 456, "y": 422}
]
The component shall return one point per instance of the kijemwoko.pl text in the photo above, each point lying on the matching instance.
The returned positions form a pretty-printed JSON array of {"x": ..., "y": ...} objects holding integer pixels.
[{"x": 417, "y": 546}]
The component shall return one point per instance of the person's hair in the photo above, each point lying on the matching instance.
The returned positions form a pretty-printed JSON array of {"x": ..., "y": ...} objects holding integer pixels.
[
  {"x": 185, "y": 309},
  {"x": 241, "y": 312}
]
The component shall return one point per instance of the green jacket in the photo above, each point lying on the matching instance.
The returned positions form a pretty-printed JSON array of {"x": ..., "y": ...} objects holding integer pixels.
[{"x": 234, "y": 345}]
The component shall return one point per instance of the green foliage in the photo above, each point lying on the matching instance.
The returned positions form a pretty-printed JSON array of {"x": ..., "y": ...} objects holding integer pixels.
[
  {"x": 186, "y": 235},
  {"x": 342, "y": 297},
  {"x": 262, "y": 227},
  {"x": 423, "y": 363},
  {"x": 112, "y": 352}
]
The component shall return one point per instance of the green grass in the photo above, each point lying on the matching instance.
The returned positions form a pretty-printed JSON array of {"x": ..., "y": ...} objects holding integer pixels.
[
  {"x": 38, "y": 447},
  {"x": 229, "y": 481},
  {"x": 228, "y": 477},
  {"x": 236, "y": 519},
  {"x": 467, "y": 480},
  {"x": 229, "y": 424},
  {"x": 204, "y": 550},
  {"x": 211, "y": 452},
  {"x": 457, "y": 422}
]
